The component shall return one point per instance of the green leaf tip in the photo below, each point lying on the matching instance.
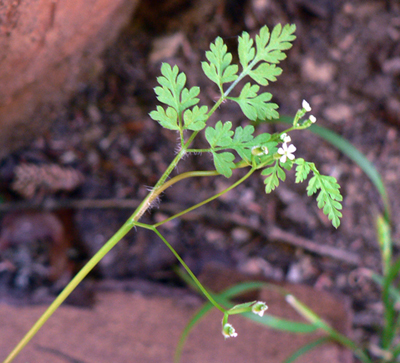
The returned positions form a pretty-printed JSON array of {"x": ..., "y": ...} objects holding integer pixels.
[
  {"x": 329, "y": 197},
  {"x": 219, "y": 68},
  {"x": 254, "y": 106},
  {"x": 173, "y": 93}
]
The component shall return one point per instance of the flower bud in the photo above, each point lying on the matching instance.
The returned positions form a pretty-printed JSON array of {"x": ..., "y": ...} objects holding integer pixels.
[
  {"x": 285, "y": 138},
  {"x": 259, "y": 150},
  {"x": 306, "y": 106},
  {"x": 228, "y": 331},
  {"x": 259, "y": 307}
]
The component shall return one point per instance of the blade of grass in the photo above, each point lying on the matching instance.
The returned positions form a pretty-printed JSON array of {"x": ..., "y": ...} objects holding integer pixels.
[
  {"x": 223, "y": 299},
  {"x": 315, "y": 319},
  {"x": 389, "y": 331},
  {"x": 195, "y": 319},
  {"x": 384, "y": 242},
  {"x": 306, "y": 348}
]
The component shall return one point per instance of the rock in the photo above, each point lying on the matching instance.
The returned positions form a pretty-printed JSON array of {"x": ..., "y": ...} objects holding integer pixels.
[
  {"x": 338, "y": 112},
  {"x": 48, "y": 49},
  {"x": 145, "y": 326},
  {"x": 317, "y": 72}
]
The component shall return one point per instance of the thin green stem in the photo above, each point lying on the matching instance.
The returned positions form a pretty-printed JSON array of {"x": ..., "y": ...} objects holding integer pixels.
[
  {"x": 189, "y": 271},
  {"x": 69, "y": 288},
  {"x": 244, "y": 73},
  {"x": 198, "y": 151},
  {"x": 146, "y": 203},
  {"x": 241, "y": 180},
  {"x": 188, "y": 174}
]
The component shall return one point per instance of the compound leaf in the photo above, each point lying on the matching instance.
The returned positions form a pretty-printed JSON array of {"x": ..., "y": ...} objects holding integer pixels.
[
  {"x": 173, "y": 93},
  {"x": 242, "y": 142},
  {"x": 270, "y": 46},
  {"x": 265, "y": 73},
  {"x": 273, "y": 173},
  {"x": 328, "y": 198},
  {"x": 302, "y": 170},
  {"x": 219, "y": 68},
  {"x": 195, "y": 119},
  {"x": 246, "y": 50},
  {"x": 167, "y": 119},
  {"x": 256, "y": 106},
  {"x": 224, "y": 163},
  {"x": 220, "y": 135}
]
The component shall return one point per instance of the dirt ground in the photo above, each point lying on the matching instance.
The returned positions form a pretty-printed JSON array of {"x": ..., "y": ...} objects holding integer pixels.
[{"x": 345, "y": 62}]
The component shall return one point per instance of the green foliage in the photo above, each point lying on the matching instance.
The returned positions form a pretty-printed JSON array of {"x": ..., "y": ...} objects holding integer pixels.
[
  {"x": 219, "y": 69},
  {"x": 273, "y": 173},
  {"x": 224, "y": 163},
  {"x": 258, "y": 60},
  {"x": 267, "y": 53},
  {"x": 178, "y": 98},
  {"x": 256, "y": 106},
  {"x": 302, "y": 170},
  {"x": 181, "y": 113},
  {"x": 221, "y": 137},
  {"x": 195, "y": 120},
  {"x": 329, "y": 196}
]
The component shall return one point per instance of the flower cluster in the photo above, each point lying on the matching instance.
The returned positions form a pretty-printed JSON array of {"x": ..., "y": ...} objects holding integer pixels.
[
  {"x": 256, "y": 307},
  {"x": 307, "y": 108},
  {"x": 287, "y": 151}
]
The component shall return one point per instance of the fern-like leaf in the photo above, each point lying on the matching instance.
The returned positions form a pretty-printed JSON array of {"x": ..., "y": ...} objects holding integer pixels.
[
  {"x": 273, "y": 173},
  {"x": 224, "y": 163},
  {"x": 178, "y": 98},
  {"x": 246, "y": 50},
  {"x": 219, "y": 68},
  {"x": 196, "y": 118},
  {"x": 302, "y": 170},
  {"x": 328, "y": 198},
  {"x": 270, "y": 47},
  {"x": 254, "y": 106},
  {"x": 220, "y": 135}
]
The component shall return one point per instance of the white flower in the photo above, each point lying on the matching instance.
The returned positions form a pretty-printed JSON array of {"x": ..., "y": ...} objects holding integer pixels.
[
  {"x": 286, "y": 152},
  {"x": 265, "y": 149},
  {"x": 259, "y": 307},
  {"x": 228, "y": 331},
  {"x": 306, "y": 106},
  {"x": 285, "y": 137},
  {"x": 313, "y": 119}
]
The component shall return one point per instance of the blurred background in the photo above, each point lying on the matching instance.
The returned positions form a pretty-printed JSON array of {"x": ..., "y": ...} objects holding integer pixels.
[{"x": 79, "y": 151}]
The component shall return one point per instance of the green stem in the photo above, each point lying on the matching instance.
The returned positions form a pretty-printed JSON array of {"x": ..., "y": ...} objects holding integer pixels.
[
  {"x": 69, "y": 288},
  {"x": 194, "y": 151},
  {"x": 389, "y": 330},
  {"x": 160, "y": 186},
  {"x": 241, "y": 180},
  {"x": 189, "y": 271}
]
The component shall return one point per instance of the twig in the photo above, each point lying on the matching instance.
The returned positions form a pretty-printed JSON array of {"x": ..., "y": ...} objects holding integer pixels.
[
  {"x": 54, "y": 204},
  {"x": 273, "y": 234}
]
